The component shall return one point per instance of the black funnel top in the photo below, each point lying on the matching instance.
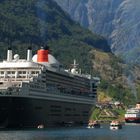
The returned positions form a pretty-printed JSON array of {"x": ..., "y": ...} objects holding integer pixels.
[
  {"x": 29, "y": 48},
  {"x": 46, "y": 47},
  {"x": 9, "y": 48}
]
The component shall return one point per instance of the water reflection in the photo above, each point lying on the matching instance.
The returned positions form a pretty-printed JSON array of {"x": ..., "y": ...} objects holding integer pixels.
[{"x": 129, "y": 132}]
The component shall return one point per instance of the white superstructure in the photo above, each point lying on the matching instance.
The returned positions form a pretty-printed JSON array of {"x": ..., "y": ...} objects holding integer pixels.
[
  {"x": 40, "y": 78},
  {"x": 133, "y": 112}
]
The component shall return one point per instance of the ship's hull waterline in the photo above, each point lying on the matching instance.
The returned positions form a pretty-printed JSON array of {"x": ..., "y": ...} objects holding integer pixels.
[
  {"x": 132, "y": 120},
  {"x": 24, "y": 112}
]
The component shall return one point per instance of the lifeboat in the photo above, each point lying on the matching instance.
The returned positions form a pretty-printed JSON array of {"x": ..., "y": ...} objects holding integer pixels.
[
  {"x": 93, "y": 124},
  {"x": 41, "y": 126},
  {"x": 115, "y": 125}
]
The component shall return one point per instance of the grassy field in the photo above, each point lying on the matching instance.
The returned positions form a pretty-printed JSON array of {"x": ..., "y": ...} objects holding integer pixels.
[{"x": 107, "y": 114}]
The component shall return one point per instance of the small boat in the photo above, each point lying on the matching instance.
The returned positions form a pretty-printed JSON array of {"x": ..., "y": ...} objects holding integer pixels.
[
  {"x": 115, "y": 125},
  {"x": 93, "y": 124},
  {"x": 41, "y": 126},
  {"x": 132, "y": 115}
]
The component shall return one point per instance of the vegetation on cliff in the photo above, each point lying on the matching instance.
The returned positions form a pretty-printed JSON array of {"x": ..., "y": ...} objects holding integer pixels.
[
  {"x": 36, "y": 22},
  {"x": 116, "y": 78}
]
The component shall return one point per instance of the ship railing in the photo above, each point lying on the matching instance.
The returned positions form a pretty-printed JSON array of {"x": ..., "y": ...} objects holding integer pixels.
[
  {"x": 65, "y": 97},
  {"x": 10, "y": 91},
  {"x": 10, "y": 85},
  {"x": 14, "y": 79},
  {"x": 69, "y": 94},
  {"x": 130, "y": 112}
]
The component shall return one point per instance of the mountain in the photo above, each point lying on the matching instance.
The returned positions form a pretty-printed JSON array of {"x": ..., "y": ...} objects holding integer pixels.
[
  {"x": 116, "y": 20},
  {"x": 37, "y": 22}
]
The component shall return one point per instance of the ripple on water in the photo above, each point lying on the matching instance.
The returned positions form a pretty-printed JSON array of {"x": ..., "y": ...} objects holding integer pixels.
[{"x": 128, "y": 132}]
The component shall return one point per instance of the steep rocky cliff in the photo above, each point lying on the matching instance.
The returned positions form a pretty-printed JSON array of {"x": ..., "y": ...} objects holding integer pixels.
[{"x": 117, "y": 20}]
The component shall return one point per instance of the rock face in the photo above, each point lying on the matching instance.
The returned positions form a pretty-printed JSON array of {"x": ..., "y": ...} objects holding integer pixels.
[{"x": 117, "y": 20}]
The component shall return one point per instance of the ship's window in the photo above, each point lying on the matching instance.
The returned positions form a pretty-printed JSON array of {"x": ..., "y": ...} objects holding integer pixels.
[
  {"x": 13, "y": 72},
  {"x": 38, "y": 107},
  {"x": 67, "y": 109},
  {"x": 74, "y": 109},
  {"x": 85, "y": 115},
  {"x": 9, "y": 72},
  {"x": 20, "y": 72},
  {"x": 85, "y": 111},
  {"x": 93, "y": 84},
  {"x": 55, "y": 106},
  {"x": 43, "y": 76},
  {"x": 24, "y": 72},
  {"x": 76, "y": 115},
  {"x": 20, "y": 108},
  {"x": 55, "y": 114},
  {"x": 33, "y": 72},
  {"x": 55, "y": 110},
  {"x": 67, "y": 114},
  {"x": 2, "y": 72}
]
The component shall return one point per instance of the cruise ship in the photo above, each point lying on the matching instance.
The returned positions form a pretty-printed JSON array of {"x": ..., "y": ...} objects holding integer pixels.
[
  {"x": 38, "y": 91},
  {"x": 133, "y": 114}
]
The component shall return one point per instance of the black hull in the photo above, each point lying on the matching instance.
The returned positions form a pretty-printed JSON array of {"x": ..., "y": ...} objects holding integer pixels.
[
  {"x": 137, "y": 120},
  {"x": 23, "y": 112}
]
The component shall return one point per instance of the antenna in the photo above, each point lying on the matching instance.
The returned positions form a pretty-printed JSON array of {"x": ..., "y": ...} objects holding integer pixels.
[
  {"x": 74, "y": 68},
  {"x": 74, "y": 65}
]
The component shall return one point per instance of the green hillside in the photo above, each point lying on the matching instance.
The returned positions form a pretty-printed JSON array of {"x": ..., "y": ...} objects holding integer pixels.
[{"x": 33, "y": 23}]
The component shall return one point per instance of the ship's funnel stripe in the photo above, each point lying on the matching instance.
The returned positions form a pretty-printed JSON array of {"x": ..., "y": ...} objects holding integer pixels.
[{"x": 42, "y": 55}]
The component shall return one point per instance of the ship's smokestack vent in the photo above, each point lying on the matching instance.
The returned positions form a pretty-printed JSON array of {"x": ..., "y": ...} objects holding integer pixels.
[
  {"x": 9, "y": 54},
  {"x": 42, "y": 54},
  {"x": 29, "y": 54}
]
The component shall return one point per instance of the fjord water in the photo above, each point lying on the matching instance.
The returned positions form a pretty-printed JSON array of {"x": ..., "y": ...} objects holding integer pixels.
[{"x": 129, "y": 132}]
